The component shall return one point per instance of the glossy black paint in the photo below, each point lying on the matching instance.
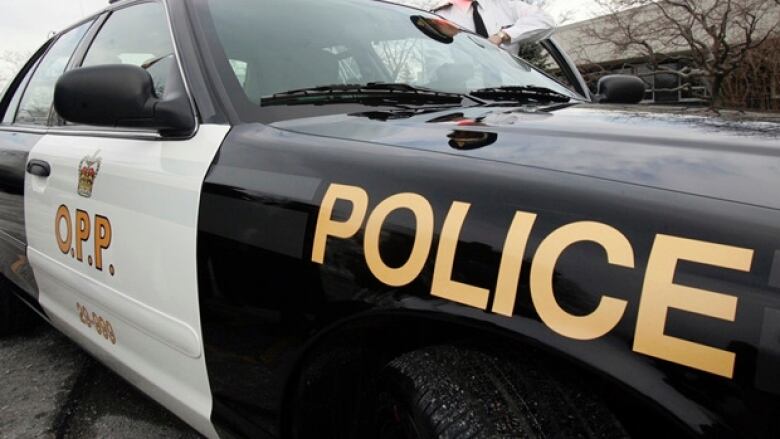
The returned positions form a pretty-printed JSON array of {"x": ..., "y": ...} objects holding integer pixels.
[
  {"x": 621, "y": 89},
  {"x": 267, "y": 310},
  {"x": 694, "y": 155},
  {"x": 14, "y": 149},
  {"x": 122, "y": 96},
  {"x": 278, "y": 327}
]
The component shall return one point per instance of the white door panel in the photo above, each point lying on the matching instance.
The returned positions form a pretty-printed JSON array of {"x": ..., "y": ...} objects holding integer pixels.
[
  {"x": 140, "y": 226},
  {"x": 165, "y": 374},
  {"x": 164, "y": 328}
]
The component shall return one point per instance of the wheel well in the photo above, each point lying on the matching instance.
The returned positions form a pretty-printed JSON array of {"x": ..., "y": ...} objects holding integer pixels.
[{"x": 336, "y": 372}]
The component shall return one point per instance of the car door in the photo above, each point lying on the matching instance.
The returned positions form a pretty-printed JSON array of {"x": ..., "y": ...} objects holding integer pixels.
[
  {"x": 25, "y": 118},
  {"x": 112, "y": 229}
]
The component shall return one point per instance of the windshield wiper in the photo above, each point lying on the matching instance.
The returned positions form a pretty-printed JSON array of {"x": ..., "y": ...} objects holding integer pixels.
[
  {"x": 513, "y": 93},
  {"x": 372, "y": 93}
]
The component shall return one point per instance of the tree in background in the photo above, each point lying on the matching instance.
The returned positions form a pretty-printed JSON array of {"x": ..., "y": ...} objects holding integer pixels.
[
  {"x": 711, "y": 38},
  {"x": 535, "y": 54},
  {"x": 756, "y": 84},
  {"x": 10, "y": 63}
]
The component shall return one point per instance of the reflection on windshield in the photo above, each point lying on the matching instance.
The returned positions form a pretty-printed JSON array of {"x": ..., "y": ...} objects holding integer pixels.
[
  {"x": 437, "y": 28},
  {"x": 284, "y": 45}
]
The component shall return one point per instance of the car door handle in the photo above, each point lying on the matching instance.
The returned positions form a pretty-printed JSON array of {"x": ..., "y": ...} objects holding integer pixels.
[{"x": 39, "y": 168}]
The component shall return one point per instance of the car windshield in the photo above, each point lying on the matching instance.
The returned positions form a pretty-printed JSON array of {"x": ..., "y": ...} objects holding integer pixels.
[{"x": 276, "y": 46}]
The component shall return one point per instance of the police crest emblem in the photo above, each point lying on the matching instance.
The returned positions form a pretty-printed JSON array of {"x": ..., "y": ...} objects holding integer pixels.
[{"x": 88, "y": 171}]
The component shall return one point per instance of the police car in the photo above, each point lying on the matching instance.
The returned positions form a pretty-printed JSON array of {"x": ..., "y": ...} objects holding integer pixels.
[{"x": 297, "y": 218}]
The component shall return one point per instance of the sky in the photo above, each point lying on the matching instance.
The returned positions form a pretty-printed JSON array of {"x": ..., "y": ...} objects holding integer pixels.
[
  {"x": 576, "y": 10},
  {"x": 25, "y": 24}
]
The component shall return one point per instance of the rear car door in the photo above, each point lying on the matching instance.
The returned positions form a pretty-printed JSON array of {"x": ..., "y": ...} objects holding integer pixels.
[
  {"x": 25, "y": 112},
  {"x": 112, "y": 229}
]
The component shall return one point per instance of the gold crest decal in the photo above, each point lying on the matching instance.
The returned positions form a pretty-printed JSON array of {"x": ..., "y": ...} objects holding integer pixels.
[{"x": 88, "y": 171}]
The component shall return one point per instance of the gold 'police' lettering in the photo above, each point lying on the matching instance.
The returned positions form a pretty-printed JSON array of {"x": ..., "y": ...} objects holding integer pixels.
[
  {"x": 609, "y": 311},
  {"x": 326, "y": 226},
  {"x": 423, "y": 238},
  {"x": 63, "y": 214},
  {"x": 511, "y": 263},
  {"x": 443, "y": 286},
  {"x": 660, "y": 293}
]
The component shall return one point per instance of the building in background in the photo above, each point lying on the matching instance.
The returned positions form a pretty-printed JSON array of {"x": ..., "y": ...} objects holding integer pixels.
[{"x": 655, "y": 44}]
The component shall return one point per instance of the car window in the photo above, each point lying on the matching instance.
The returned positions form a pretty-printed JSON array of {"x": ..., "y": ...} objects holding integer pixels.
[
  {"x": 539, "y": 56},
  {"x": 10, "y": 111},
  {"x": 340, "y": 42},
  {"x": 239, "y": 69},
  {"x": 38, "y": 96},
  {"x": 139, "y": 36}
]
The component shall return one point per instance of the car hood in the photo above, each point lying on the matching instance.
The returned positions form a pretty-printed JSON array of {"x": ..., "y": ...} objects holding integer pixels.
[{"x": 706, "y": 156}]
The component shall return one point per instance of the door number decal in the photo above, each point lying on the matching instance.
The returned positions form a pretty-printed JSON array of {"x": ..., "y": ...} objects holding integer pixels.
[{"x": 92, "y": 320}]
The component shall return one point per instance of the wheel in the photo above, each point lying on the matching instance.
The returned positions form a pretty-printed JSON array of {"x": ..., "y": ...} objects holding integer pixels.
[
  {"x": 454, "y": 392},
  {"x": 15, "y": 316}
]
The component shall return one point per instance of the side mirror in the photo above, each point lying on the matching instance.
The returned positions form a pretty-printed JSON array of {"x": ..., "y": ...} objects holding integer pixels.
[
  {"x": 122, "y": 96},
  {"x": 620, "y": 89}
]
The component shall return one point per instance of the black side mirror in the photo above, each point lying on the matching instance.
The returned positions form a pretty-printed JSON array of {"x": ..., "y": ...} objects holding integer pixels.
[
  {"x": 118, "y": 95},
  {"x": 620, "y": 89}
]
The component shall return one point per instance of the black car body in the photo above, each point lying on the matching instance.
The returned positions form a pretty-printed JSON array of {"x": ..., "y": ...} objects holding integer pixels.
[{"x": 639, "y": 250}]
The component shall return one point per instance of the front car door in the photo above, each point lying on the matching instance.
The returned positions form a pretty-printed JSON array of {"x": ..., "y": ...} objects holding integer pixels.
[{"x": 112, "y": 230}]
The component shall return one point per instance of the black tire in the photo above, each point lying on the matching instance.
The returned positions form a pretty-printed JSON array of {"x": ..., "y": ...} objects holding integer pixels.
[
  {"x": 454, "y": 392},
  {"x": 15, "y": 316}
]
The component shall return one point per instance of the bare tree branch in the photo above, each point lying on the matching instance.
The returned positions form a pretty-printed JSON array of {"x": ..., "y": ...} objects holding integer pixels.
[
  {"x": 10, "y": 63},
  {"x": 716, "y": 36}
]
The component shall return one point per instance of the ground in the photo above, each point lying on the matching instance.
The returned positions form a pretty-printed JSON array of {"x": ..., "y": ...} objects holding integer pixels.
[{"x": 50, "y": 388}]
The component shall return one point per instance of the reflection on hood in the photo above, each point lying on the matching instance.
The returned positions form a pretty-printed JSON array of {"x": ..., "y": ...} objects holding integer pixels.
[{"x": 730, "y": 160}]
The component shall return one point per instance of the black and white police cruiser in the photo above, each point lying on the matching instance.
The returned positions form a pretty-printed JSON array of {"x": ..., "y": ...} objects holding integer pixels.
[{"x": 298, "y": 218}]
